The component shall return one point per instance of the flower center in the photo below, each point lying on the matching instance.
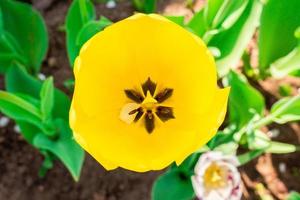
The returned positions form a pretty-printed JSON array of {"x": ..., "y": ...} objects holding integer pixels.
[
  {"x": 215, "y": 176},
  {"x": 148, "y": 106}
]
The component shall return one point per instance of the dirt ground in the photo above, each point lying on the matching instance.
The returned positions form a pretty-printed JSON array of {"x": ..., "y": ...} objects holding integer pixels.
[{"x": 19, "y": 162}]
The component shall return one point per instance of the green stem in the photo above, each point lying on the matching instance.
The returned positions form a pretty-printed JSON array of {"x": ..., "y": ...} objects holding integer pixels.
[
  {"x": 256, "y": 125},
  {"x": 83, "y": 11},
  {"x": 207, "y": 37}
]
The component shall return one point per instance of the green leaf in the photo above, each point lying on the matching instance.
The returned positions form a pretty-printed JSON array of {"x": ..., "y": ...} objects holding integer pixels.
[
  {"x": 244, "y": 100},
  {"x": 64, "y": 147},
  {"x": 287, "y": 64},
  {"x": 176, "y": 19},
  {"x": 79, "y": 13},
  {"x": 210, "y": 11},
  {"x": 18, "y": 103},
  {"x": 233, "y": 41},
  {"x": 146, "y": 6},
  {"x": 279, "y": 18},
  {"x": 293, "y": 196},
  {"x": 19, "y": 109},
  {"x": 286, "y": 110},
  {"x": 90, "y": 29},
  {"x": 280, "y": 148},
  {"x": 197, "y": 23},
  {"x": 28, "y": 130},
  {"x": 173, "y": 185},
  {"x": 27, "y": 84},
  {"x": 23, "y": 35},
  {"x": 47, "y": 98},
  {"x": 250, "y": 155},
  {"x": 223, "y": 14}
]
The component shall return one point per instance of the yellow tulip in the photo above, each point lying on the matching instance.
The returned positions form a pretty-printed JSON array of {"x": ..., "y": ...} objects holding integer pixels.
[{"x": 146, "y": 94}]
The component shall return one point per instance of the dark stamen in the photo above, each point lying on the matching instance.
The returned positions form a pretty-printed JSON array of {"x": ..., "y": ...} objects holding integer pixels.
[
  {"x": 139, "y": 115},
  {"x": 164, "y": 113},
  {"x": 149, "y": 121},
  {"x": 164, "y": 95},
  {"x": 133, "y": 112},
  {"x": 134, "y": 96},
  {"x": 149, "y": 85}
]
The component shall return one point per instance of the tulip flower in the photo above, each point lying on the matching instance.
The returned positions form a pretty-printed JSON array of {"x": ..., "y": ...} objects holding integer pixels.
[
  {"x": 146, "y": 94},
  {"x": 217, "y": 178}
]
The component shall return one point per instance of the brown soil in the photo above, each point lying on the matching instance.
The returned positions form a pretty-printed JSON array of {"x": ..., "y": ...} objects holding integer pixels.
[{"x": 19, "y": 162}]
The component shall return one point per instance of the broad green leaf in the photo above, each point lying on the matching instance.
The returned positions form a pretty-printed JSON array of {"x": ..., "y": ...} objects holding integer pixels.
[
  {"x": 232, "y": 12},
  {"x": 197, "y": 23},
  {"x": 287, "y": 64},
  {"x": 173, "y": 185},
  {"x": 286, "y": 110},
  {"x": 18, "y": 103},
  {"x": 233, "y": 41},
  {"x": 27, "y": 84},
  {"x": 20, "y": 109},
  {"x": 64, "y": 147},
  {"x": 279, "y": 148},
  {"x": 250, "y": 155},
  {"x": 220, "y": 138},
  {"x": 189, "y": 163},
  {"x": 1, "y": 22},
  {"x": 293, "y": 196},
  {"x": 244, "y": 100},
  {"x": 23, "y": 35},
  {"x": 223, "y": 14},
  {"x": 47, "y": 98},
  {"x": 176, "y": 19},
  {"x": 91, "y": 28},
  {"x": 80, "y": 12},
  {"x": 146, "y": 6},
  {"x": 279, "y": 20},
  {"x": 28, "y": 130},
  {"x": 210, "y": 11}
]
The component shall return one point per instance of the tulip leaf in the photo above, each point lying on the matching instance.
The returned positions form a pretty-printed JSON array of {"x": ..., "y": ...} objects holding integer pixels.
[
  {"x": 250, "y": 155},
  {"x": 28, "y": 130},
  {"x": 172, "y": 185},
  {"x": 176, "y": 19},
  {"x": 27, "y": 84},
  {"x": 223, "y": 14},
  {"x": 23, "y": 35},
  {"x": 146, "y": 6},
  {"x": 20, "y": 109},
  {"x": 286, "y": 110},
  {"x": 197, "y": 23},
  {"x": 80, "y": 13},
  {"x": 233, "y": 41},
  {"x": 64, "y": 147},
  {"x": 287, "y": 64},
  {"x": 91, "y": 28},
  {"x": 244, "y": 100},
  {"x": 47, "y": 98},
  {"x": 279, "y": 18},
  {"x": 281, "y": 148}
]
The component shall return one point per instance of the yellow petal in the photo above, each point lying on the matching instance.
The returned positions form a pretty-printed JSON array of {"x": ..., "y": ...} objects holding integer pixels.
[{"x": 124, "y": 56}]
